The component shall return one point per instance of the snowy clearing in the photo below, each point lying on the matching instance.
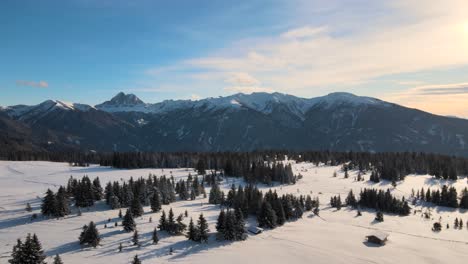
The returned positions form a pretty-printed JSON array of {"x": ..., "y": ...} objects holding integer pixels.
[{"x": 334, "y": 237}]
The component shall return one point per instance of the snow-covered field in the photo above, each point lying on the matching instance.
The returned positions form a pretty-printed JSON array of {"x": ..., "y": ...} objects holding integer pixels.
[{"x": 334, "y": 237}]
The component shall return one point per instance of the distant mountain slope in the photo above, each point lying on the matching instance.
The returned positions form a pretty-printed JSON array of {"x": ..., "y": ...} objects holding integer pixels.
[{"x": 240, "y": 122}]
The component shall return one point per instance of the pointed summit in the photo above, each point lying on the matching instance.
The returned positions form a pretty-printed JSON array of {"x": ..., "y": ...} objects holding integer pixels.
[
  {"x": 122, "y": 103},
  {"x": 123, "y": 99}
]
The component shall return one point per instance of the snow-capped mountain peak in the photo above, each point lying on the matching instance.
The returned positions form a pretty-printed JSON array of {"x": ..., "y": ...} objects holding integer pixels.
[{"x": 123, "y": 103}]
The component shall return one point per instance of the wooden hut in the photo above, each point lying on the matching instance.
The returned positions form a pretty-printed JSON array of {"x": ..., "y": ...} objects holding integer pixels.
[{"x": 377, "y": 237}]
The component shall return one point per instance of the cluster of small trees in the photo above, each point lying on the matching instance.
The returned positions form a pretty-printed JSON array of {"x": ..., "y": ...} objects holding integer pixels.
[
  {"x": 56, "y": 205},
  {"x": 458, "y": 223},
  {"x": 275, "y": 210},
  {"x": 335, "y": 201},
  {"x": 160, "y": 190},
  {"x": 383, "y": 201},
  {"x": 230, "y": 225},
  {"x": 170, "y": 224},
  {"x": 444, "y": 197},
  {"x": 29, "y": 251},
  {"x": 260, "y": 171},
  {"x": 198, "y": 232},
  {"x": 190, "y": 189},
  {"x": 85, "y": 192}
]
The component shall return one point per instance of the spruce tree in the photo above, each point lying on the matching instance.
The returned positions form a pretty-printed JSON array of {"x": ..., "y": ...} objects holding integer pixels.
[
  {"x": 379, "y": 217},
  {"x": 57, "y": 259},
  {"x": 239, "y": 228},
  {"x": 17, "y": 255},
  {"x": 128, "y": 222},
  {"x": 90, "y": 235},
  {"x": 61, "y": 208},
  {"x": 193, "y": 233},
  {"x": 155, "y": 202},
  {"x": 202, "y": 227},
  {"x": 136, "y": 260},
  {"x": 135, "y": 238},
  {"x": 49, "y": 203},
  {"x": 266, "y": 217},
  {"x": 351, "y": 199},
  {"x": 136, "y": 208},
  {"x": 221, "y": 224},
  {"x": 163, "y": 222},
  {"x": 155, "y": 237},
  {"x": 180, "y": 226},
  {"x": 28, "y": 207}
]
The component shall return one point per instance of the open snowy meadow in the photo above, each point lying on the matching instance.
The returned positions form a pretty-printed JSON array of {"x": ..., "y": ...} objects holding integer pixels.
[{"x": 333, "y": 237}]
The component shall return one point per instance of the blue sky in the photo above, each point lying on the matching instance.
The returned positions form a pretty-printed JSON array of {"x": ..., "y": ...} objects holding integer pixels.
[{"x": 411, "y": 52}]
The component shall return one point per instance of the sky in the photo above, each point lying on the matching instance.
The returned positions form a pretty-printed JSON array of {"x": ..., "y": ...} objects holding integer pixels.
[{"x": 410, "y": 52}]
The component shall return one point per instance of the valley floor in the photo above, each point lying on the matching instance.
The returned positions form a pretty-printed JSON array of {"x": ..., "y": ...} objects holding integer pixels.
[{"x": 334, "y": 237}]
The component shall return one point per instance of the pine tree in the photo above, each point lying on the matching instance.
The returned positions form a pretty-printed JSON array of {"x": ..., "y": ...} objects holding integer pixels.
[
  {"x": 180, "y": 226},
  {"x": 379, "y": 217},
  {"x": 202, "y": 227},
  {"x": 136, "y": 208},
  {"x": 57, "y": 259},
  {"x": 221, "y": 224},
  {"x": 48, "y": 207},
  {"x": 90, "y": 235},
  {"x": 120, "y": 214},
  {"x": 308, "y": 203},
  {"x": 28, "y": 252},
  {"x": 114, "y": 202},
  {"x": 135, "y": 238},
  {"x": 17, "y": 253},
  {"x": 61, "y": 208},
  {"x": 28, "y": 207},
  {"x": 266, "y": 217},
  {"x": 155, "y": 202},
  {"x": 155, "y": 237},
  {"x": 193, "y": 233},
  {"x": 163, "y": 222},
  {"x": 351, "y": 199},
  {"x": 239, "y": 228},
  {"x": 128, "y": 222},
  {"x": 136, "y": 260}
]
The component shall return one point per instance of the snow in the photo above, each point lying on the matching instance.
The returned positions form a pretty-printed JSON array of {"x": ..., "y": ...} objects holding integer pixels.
[
  {"x": 334, "y": 237},
  {"x": 261, "y": 102}
]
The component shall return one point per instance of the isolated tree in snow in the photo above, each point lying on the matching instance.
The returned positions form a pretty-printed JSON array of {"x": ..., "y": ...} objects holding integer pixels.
[
  {"x": 90, "y": 235},
  {"x": 155, "y": 237},
  {"x": 135, "y": 238},
  {"x": 128, "y": 222},
  {"x": 136, "y": 260},
  {"x": 379, "y": 216},
  {"x": 28, "y": 207},
  {"x": 57, "y": 259}
]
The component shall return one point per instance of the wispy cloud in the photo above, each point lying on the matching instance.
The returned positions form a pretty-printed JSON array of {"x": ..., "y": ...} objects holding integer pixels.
[
  {"x": 304, "y": 32},
  {"x": 416, "y": 36},
  {"x": 39, "y": 84},
  {"x": 444, "y": 99}
]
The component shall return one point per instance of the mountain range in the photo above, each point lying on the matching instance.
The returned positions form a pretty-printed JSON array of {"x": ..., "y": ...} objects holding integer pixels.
[{"x": 240, "y": 122}]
